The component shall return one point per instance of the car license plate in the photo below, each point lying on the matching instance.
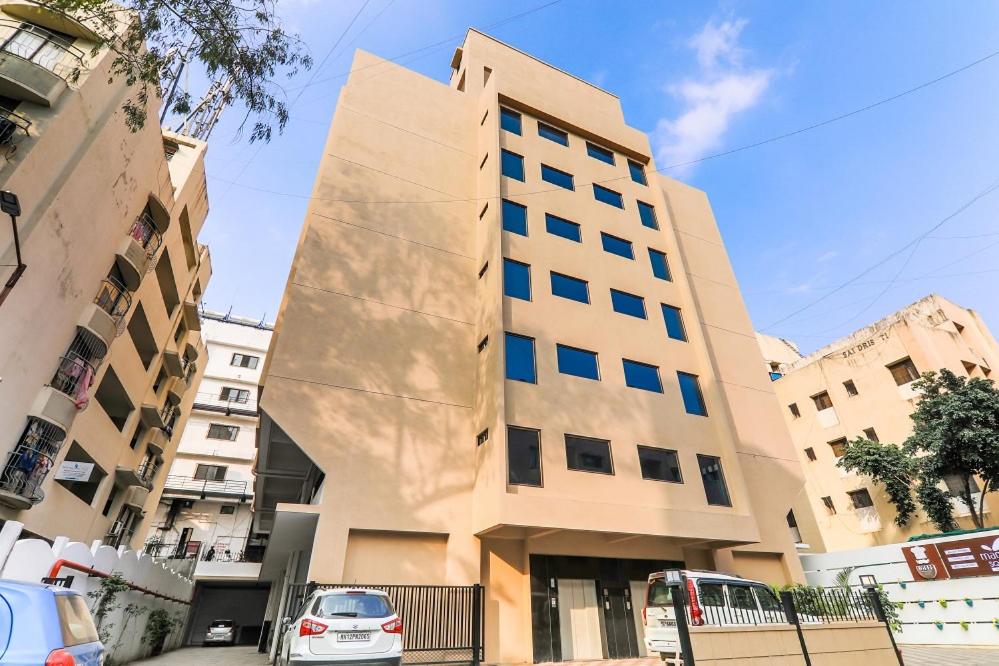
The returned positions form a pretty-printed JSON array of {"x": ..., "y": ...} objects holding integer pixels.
[
  {"x": 667, "y": 623},
  {"x": 352, "y": 636}
]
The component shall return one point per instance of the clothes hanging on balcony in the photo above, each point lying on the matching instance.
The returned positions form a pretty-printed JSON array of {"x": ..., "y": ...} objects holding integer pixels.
[{"x": 82, "y": 394}]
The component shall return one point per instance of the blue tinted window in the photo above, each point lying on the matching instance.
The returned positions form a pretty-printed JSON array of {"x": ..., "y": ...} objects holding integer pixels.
[
  {"x": 552, "y": 134},
  {"x": 556, "y": 177},
  {"x": 690, "y": 389},
  {"x": 520, "y": 358},
  {"x": 510, "y": 120},
  {"x": 648, "y": 215},
  {"x": 577, "y": 362},
  {"x": 642, "y": 376},
  {"x": 637, "y": 172},
  {"x": 599, "y": 153},
  {"x": 569, "y": 287},
  {"x": 674, "y": 323},
  {"x": 513, "y": 165},
  {"x": 561, "y": 227},
  {"x": 618, "y": 246},
  {"x": 516, "y": 279},
  {"x": 514, "y": 218},
  {"x": 608, "y": 196},
  {"x": 659, "y": 266},
  {"x": 628, "y": 304}
]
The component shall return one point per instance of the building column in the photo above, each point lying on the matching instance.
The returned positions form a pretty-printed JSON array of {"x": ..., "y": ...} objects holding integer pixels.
[{"x": 507, "y": 581}]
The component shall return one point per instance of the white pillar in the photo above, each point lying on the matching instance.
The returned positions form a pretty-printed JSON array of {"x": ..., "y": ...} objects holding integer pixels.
[{"x": 8, "y": 537}]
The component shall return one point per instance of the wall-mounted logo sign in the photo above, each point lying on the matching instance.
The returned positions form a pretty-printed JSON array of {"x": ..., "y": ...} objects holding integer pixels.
[
  {"x": 963, "y": 558},
  {"x": 924, "y": 562}
]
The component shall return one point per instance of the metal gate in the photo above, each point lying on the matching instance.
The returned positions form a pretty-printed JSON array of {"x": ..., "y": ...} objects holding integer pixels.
[{"x": 442, "y": 624}]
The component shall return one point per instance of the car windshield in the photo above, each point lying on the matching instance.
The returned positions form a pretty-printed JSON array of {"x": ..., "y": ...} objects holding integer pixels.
[
  {"x": 660, "y": 594},
  {"x": 221, "y": 624},
  {"x": 352, "y": 604},
  {"x": 75, "y": 621}
]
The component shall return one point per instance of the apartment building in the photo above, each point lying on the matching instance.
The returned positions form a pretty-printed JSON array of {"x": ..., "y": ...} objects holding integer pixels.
[
  {"x": 205, "y": 510},
  {"x": 511, "y": 353},
  {"x": 861, "y": 386},
  {"x": 99, "y": 338}
]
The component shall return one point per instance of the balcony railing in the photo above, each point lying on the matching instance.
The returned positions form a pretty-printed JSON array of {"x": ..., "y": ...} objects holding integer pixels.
[
  {"x": 43, "y": 48},
  {"x": 10, "y": 123},
  {"x": 31, "y": 460},
  {"x": 221, "y": 549},
  {"x": 146, "y": 471},
  {"x": 118, "y": 535},
  {"x": 169, "y": 414},
  {"x": 144, "y": 233},
  {"x": 190, "y": 369},
  {"x": 73, "y": 377},
  {"x": 204, "y": 486},
  {"x": 114, "y": 299}
]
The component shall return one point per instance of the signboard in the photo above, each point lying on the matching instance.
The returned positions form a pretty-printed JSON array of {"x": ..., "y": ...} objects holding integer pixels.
[
  {"x": 971, "y": 557},
  {"x": 924, "y": 562},
  {"x": 74, "y": 471},
  {"x": 962, "y": 558}
]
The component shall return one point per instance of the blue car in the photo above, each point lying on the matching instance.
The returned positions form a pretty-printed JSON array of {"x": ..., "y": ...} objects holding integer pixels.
[{"x": 44, "y": 625}]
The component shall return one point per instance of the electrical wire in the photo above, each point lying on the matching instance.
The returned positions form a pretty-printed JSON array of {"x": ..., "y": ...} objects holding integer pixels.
[{"x": 911, "y": 244}]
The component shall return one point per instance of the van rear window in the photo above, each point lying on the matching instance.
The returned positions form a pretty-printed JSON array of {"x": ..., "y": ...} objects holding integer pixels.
[
  {"x": 660, "y": 594},
  {"x": 75, "y": 621}
]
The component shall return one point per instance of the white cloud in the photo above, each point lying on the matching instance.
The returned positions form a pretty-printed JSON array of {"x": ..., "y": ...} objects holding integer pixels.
[{"x": 722, "y": 89}]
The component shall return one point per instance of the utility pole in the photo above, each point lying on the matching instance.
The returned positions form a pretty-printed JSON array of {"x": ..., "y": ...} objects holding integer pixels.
[{"x": 10, "y": 205}]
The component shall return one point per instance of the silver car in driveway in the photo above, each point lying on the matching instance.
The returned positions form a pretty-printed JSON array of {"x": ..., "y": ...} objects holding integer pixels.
[{"x": 221, "y": 632}]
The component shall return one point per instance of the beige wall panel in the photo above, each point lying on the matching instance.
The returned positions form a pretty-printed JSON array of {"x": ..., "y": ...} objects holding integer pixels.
[{"x": 416, "y": 559}]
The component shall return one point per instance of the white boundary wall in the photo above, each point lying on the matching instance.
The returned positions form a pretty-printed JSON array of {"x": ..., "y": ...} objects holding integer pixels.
[
  {"x": 31, "y": 559},
  {"x": 920, "y": 623}
]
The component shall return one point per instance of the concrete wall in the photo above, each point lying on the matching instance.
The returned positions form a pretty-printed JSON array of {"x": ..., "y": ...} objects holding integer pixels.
[
  {"x": 846, "y": 643},
  {"x": 925, "y": 621},
  {"x": 935, "y": 334},
  {"x": 30, "y": 560}
]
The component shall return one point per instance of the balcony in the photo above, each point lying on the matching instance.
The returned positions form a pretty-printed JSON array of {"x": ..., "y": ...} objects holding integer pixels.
[
  {"x": 868, "y": 518},
  {"x": 119, "y": 535},
  {"x": 35, "y": 64},
  {"x": 191, "y": 318},
  {"x": 176, "y": 387},
  {"x": 106, "y": 315},
  {"x": 137, "y": 251},
  {"x": 142, "y": 475},
  {"x": 13, "y": 128},
  {"x": 188, "y": 486},
  {"x": 158, "y": 440},
  {"x": 29, "y": 463},
  {"x": 173, "y": 362},
  {"x": 159, "y": 417}
]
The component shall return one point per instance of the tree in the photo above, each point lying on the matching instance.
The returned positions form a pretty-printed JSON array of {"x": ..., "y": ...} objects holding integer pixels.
[
  {"x": 241, "y": 40},
  {"x": 955, "y": 436}
]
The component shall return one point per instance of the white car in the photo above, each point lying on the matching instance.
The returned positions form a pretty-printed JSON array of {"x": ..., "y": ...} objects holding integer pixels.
[
  {"x": 711, "y": 598},
  {"x": 342, "y": 627}
]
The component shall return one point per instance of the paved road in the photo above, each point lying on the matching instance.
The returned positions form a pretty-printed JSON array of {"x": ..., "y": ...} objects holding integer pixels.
[
  {"x": 248, "y": 656},
  {"x": 215, "y": 656}
]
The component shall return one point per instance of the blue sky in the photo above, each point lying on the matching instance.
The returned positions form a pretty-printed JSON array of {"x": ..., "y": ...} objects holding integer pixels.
[{"x": 799, "y": 216}]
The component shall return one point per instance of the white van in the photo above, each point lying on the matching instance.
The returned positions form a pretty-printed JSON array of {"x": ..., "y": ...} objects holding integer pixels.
[{"x": 711, "y": 598}]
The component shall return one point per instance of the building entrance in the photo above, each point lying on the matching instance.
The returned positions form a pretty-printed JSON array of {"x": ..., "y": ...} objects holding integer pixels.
[{"x": 589, "y": 607}]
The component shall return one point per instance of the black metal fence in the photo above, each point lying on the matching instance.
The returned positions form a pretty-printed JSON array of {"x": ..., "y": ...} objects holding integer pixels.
[
  {"x": 442, "y": 624},
  {"x": 797, "y": 607}
]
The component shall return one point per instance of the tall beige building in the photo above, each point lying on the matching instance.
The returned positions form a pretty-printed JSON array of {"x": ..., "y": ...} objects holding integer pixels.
[
  {"x": 99, "y": 338},
  {"x": 861, "y": 386},
  {"x": 510, "y": 352}
]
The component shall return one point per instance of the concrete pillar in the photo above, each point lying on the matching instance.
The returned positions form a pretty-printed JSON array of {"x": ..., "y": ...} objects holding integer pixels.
[{"x": 507, "y": 582}]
